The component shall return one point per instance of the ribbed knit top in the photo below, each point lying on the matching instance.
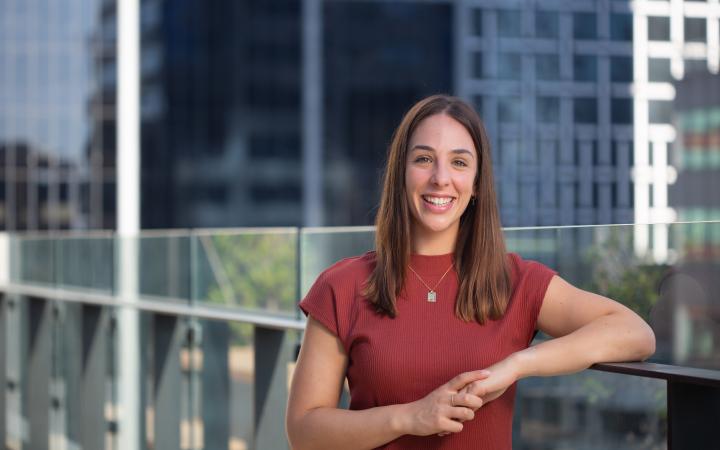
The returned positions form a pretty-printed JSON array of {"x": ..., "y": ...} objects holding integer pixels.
[{"x": 400, "y": 360}]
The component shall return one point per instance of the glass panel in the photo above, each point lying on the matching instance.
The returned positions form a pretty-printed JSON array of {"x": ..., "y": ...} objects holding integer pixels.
[
  {"x": 585, "y": 110},
  {"x": 622, "y": 110},
  {"x": 86, "y": 262},
  {"x": 546, "y": 24},
  {"x": 509, "y": 23},
  {"x": 164, "y": 266},
  {"x": 510, "y": 109},
  {"x": 658, "y": 28},
  {"x": 250, "y": 270},
  {"x": 661, "y": 111},
  {"x": 695, "y": 29},
  {"x": 665, "y": 273},
  {"x": 37, "y": 260},
  {"x": 585, "y": 67},
  {"x": 548, "y": 109},
  {"x": 621, "y": 69},
  {"x": 585, "y": 26},
  {"x": 547, "y": 67},
  {"x": 477, "y": 15},
  {"x": 509, "y": 66},
  {"x": 477, "y": 68},
  {"x": 659, "y": 70},
  {"x": 321, "y": 247},
  {"x": 621, "y": 27}
]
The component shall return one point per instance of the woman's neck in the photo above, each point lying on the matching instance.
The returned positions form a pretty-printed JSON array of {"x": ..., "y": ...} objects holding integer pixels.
[{"x": 433, "y": 243}]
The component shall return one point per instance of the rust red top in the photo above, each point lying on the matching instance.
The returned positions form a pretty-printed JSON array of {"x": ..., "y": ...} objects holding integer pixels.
[{"x": 401, "y": 360}]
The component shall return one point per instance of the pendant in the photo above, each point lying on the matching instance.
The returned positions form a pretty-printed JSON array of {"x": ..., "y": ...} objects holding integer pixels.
[{"x": 432, "y": 296}]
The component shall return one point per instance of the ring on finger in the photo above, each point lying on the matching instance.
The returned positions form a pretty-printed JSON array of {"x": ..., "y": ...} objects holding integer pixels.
[{"x": 452, "y": 400}]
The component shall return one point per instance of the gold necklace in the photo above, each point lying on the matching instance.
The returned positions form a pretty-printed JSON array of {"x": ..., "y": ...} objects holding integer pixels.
[{"x": 432, "y": 295}]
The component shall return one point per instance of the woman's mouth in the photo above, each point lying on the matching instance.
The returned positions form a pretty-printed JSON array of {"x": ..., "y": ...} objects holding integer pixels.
[{"x": 438, "y": 204}]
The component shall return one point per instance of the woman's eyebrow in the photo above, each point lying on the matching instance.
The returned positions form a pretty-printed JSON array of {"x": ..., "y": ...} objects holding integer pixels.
[
  {"x": 462, "y": 150},
  {"x": 456, "y": 151},
  {"x": 422, "y": 147}
]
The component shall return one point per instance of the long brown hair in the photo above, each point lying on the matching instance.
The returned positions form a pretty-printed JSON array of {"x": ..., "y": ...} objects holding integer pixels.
[{"x": 480, "y": 256}]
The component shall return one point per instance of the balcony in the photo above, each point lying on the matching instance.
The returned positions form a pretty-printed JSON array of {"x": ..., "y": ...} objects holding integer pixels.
[{"x": 186, "y": 339}]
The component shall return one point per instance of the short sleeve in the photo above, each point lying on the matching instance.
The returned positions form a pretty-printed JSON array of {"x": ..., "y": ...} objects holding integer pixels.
[
  {"x": 530, "y": 282},
  {"x": 538, "y": 278},
  {"x": 321, "y": 303}
]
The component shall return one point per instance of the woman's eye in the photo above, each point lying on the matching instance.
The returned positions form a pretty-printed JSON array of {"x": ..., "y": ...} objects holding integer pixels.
[
  {"x": 460, "y": 162},
  {"x": 422, "y": 159}
]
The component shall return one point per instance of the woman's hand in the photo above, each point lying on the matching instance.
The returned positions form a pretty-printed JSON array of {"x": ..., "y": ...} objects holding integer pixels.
[
  {"x": 443, "y": 410},
  {"x": 502, "y": 375}
]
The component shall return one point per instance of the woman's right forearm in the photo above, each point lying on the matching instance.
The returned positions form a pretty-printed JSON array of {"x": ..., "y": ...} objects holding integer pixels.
[{"x": 333, "y": 428}]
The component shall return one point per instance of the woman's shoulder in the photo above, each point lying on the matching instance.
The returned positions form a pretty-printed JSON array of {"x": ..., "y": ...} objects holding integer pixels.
[
  {"x": 348, "y": 269},
  {"x": 521, "y": 268}
]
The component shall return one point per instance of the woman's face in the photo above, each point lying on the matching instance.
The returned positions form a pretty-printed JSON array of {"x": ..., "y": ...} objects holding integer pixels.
[{"x": 439, "y": 175}]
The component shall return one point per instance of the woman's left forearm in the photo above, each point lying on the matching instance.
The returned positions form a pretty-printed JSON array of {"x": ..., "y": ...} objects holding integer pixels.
[{"x": 614, "y": 337}]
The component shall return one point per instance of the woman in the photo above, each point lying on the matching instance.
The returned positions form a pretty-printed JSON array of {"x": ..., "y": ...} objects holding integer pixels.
[{"x": 432, "y": 329}]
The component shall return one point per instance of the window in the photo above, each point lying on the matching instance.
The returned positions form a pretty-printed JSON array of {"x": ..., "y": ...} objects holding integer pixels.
[
  {"x": 269, "y": 146},
  {"x": 584, "y": 26},
  {"x": 585, "y": 68},
  {"x": 621, "y": 111},
  {"x": 478, "y": 104},
  {"x": 695, "y": 66},
  {"x": 477, "y": 65},
  {"x": 546, "y": 24},
  {"x": 585, "y": 110},
  {"x": 547, "y": 109},
  {"x": 509, "y": 66},
  {"x": 661, "y": 111},
  {"x": 477, "y": 19},
  {"x": 621, "y": 27},
  {"x": 510, "y": 110},
  {"x": 547, "y": 67},
  {"x": 658, "y": 28},
  {"x": 695, "y": 29},
  {"x": 621, "y": 69},
  {"x": 659, "y": 70},
  {"x": 509, "y": 23}
]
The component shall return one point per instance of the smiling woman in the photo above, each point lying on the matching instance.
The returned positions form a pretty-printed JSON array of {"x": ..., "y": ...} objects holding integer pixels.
[{"x": 432, "y": 329}]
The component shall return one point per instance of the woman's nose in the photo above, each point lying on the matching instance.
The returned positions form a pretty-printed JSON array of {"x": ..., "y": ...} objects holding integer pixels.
[{"x": 441, "y": 174}]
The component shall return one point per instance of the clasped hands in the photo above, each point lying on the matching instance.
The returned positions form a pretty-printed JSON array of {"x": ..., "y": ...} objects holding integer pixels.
[{"x": 444, "y": 410}]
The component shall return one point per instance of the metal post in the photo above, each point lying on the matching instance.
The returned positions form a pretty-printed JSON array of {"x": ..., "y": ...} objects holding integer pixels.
[
  {"x": 168, "y": 340},
  {"x": 94, "y": 341},
  {"x": 215, "y": 383},
  {"x": 38, "y": 377},
  {"x": 128, "y": 222},
  {"x": 3, "y": 376},
  {"x": 692, "y": 415},
  {"x": 272, "y": 354}
]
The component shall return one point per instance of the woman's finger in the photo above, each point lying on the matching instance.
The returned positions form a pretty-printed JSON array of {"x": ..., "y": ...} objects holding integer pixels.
[
  {"x": 461, "y": 413},
  {"x": 464, "y": 378},
  {"x": 468, "y": 400}
]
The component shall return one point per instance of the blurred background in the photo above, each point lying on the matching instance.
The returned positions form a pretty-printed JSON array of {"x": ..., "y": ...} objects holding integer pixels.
[
  {"x": 270, "y": 119},
  {"x": 279, "y": 112}
]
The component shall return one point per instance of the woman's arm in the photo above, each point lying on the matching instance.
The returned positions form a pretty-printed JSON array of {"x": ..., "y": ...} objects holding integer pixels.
[
  {"x": 587, "y": 329},
  {"x": 314, "y": 421}
]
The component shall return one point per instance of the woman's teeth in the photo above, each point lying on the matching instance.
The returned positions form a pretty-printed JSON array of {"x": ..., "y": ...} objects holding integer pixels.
[{"x": 439, "y": 201}]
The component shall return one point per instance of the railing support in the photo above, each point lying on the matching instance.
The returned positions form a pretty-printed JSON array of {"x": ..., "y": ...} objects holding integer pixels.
[
  {"x": 95, "y": 323},
  {"x": 215, "y": 383},
  {"x": 3, "y": 368},
  {"x": 168, "y": 340},
  {"x": 38, "y": 377},
  {"x": 693, "y": 415},
  {"x": 273, "y": 351}
]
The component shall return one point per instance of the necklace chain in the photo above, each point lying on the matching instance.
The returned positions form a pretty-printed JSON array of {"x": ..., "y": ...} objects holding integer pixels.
[{"x": 432, "y": 295}]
